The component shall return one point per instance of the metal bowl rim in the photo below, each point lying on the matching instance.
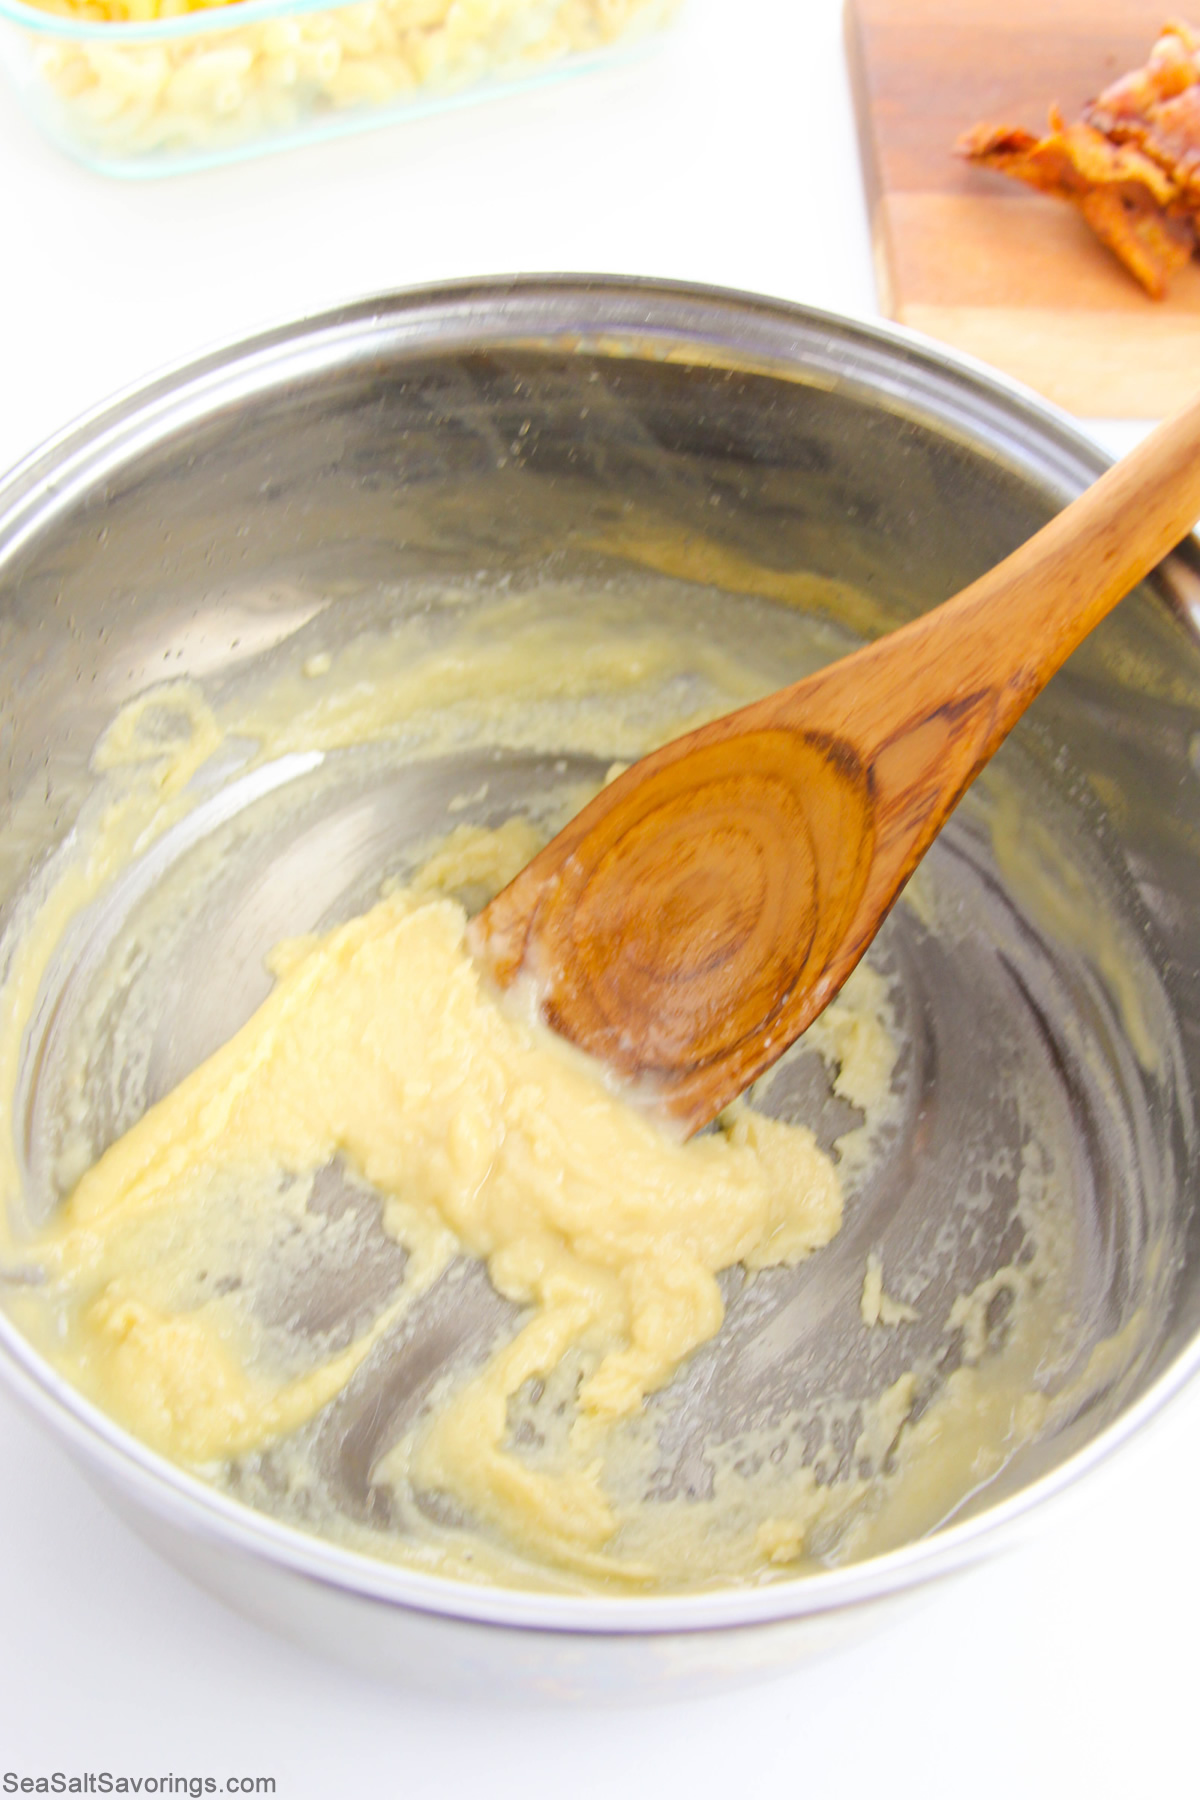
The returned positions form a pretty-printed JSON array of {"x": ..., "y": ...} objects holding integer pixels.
[{"x": 168, "y": 1490}]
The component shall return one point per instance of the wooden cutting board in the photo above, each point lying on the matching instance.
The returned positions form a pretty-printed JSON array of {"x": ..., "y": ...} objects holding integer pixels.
[{"x": 976, "y": 260}]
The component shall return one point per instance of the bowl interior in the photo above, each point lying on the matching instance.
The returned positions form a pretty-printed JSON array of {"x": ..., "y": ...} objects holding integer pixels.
[{"x": 755, "y": 485}]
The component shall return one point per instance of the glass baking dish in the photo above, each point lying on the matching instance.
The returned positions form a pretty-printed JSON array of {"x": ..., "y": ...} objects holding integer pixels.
[{"x": 136, "y": 95}]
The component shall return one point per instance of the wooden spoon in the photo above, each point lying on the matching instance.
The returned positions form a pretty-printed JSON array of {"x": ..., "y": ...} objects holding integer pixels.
[{"x": 701, "y": 911}]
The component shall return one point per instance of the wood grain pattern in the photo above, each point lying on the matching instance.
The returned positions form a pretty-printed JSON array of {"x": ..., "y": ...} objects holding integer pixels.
[
  {"x": 969, "y": 257},
  {"x": 701, "y": 911}
]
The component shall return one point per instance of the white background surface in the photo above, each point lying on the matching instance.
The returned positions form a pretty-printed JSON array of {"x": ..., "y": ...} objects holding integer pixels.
[{"x": 1070, "y": 1667}]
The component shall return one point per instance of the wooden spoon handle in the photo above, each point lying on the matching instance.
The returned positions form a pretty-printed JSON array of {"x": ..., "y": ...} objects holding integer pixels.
[
  {"x": 1060, "y": 584},
  {"x": 926, "y": 706},
  {"x": 1012, "y": 629}
]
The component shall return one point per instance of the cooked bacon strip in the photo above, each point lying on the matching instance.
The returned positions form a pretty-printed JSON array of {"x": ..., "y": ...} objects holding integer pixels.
[
  {"x": 1158, "y": 108},
  {"x": 1122, "y": 110},
  {"x": 1131, "y": 165},
  {"x": 1124, "y": 195}
]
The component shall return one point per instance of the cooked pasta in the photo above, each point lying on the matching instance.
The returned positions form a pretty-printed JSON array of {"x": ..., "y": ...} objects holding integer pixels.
[{"x": 204, "y": 91}]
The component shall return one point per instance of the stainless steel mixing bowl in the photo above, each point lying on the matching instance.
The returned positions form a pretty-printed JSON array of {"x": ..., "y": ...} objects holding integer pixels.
[{"x": 268, "y": 500}]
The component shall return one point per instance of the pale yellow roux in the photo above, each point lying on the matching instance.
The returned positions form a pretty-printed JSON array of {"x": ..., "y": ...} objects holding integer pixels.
[
  {"x": 381, "y": 1046},
  {"x": 876, "y": 1305}
]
